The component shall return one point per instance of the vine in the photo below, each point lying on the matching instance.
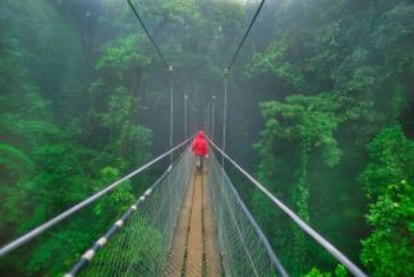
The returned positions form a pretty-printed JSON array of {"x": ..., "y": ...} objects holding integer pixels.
[{"x": 301, "y": 201}]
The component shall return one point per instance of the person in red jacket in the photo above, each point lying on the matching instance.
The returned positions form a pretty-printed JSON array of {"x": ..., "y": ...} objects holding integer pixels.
[{"x": 200, "y": 148}]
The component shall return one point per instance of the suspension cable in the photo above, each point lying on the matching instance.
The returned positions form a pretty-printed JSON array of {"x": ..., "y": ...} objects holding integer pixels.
[
  {"x": 226, "y": 73},
  {"x": 167, "y": 65},
  {"x": 170, "y": 70},
  {"x": 47, "y": 225},
  {"x": 245, "y": 36},
  {"x": 302, "y": 224}
]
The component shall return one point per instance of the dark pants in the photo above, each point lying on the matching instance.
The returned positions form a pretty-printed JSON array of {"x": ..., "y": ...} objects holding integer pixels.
[{"x": 199, "y": 163}]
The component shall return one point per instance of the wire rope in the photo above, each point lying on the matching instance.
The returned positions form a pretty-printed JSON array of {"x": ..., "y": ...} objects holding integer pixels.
[
  {"x": 245, "y": 36},
  {"x": 302, "y": 224},
  {"x": 170, "y": 70},
  {"x": 154, "y": 43},
  {"x": 47, "y": 225},
  {"x": 227, "y": 71}
]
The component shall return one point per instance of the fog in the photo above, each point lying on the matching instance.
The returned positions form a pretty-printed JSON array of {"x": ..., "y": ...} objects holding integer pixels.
[{"x": 320, "y": 109}]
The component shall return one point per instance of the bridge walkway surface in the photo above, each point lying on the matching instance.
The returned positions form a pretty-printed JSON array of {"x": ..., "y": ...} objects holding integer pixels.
[{"x": 194, "y": 249}]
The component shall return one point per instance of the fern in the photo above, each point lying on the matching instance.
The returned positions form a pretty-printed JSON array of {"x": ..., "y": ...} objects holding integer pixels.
[{"x": 14, "y": 159}]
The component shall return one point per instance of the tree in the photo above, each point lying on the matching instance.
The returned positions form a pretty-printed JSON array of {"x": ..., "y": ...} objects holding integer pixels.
[
  {"x": 387, "y": 180},
  {"x": 310, "y": 122}
]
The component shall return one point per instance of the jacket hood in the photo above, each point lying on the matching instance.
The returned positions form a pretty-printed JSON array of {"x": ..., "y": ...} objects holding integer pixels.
[{"x": 200, "y": 134}]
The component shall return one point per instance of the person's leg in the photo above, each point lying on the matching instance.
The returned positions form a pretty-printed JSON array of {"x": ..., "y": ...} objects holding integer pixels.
[{"x": 198, "y": 163}]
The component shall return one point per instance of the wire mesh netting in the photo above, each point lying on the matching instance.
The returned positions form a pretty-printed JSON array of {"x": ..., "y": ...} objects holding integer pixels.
[
  {"x": 286, "y": 230},
  {"x": 244, "y": 249},
  {"x": 140, "y": 248}
]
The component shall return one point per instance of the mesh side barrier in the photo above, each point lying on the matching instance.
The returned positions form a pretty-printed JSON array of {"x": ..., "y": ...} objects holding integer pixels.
[
  {"x": 242, "y": 250},
  {"x": 140, "y": 248}
]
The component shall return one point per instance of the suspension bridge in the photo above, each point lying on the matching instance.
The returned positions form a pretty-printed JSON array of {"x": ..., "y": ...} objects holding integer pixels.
[{"x": 186, "y": 223}]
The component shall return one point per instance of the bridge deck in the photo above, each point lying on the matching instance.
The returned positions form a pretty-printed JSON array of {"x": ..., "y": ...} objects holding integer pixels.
[{"x": 194, "y": 251}]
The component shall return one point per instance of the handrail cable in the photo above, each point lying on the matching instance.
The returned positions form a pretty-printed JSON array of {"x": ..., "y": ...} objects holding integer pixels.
[
  {"x": 354, "y": 269},
  {"x": 269, "y": 251},
  {"x": 88, "y": 256},
  {"x": 244, "y": 37},
  {"x": 47, "y": 225},
  {"x": 167, "y": 65},
  {"x": 239, "y": 232}
]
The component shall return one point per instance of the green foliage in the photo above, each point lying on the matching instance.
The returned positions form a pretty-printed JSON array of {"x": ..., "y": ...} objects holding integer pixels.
[
  {"x": 13, "y": 159},
  {"x": 119, "y": 107},
  {"x": 317, "y": 273},
  {"x": 53, "y": 249},
  {"x": 142, "y": 252},
  {"x": 388, "y": 183},
  {"x": 76, "y": 75},
  {"x": 118, "y": 201},
  {"x": 391, "y": 158},
  {"x": 48, "y": 53},
  {"x": 310, "y": 122},
  {"x": 273, "y": 60},
  {"x": 123, "y": 54},
  {"x": 340, "y": 271},
  {"x": 358, "y": 52},
  {"x": 310, "y": 118}
]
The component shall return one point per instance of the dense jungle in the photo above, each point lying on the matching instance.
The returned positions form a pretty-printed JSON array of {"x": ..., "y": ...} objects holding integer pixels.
[{"x": 320, "y": 110}]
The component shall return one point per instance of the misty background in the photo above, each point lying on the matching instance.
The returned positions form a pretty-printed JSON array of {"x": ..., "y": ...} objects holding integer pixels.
[{"x": 320, "y": 109}]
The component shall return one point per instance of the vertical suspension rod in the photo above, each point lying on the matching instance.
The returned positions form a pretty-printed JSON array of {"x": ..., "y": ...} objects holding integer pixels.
[
  {"x": 212, "y": 116},
  {"x": 185, "y": 117},
  {"x": 224, "y": 115},
  {"x": 170, "y": 69}
]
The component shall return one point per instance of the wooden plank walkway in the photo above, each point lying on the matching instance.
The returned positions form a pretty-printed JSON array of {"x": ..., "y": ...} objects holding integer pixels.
[{"x": 194, "y": 250}]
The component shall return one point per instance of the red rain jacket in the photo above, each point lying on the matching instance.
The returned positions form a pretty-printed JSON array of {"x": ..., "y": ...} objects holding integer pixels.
[{"x": 199, "y": 145}]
